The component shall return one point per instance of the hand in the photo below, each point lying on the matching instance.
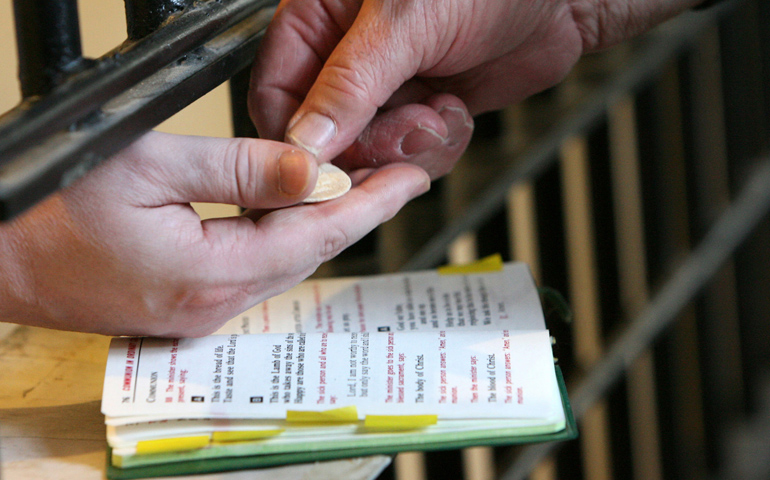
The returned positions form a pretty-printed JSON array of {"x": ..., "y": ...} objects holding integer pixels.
[
  {"x": 121, "y": 251},
  {"x": 374, "y": 81}
]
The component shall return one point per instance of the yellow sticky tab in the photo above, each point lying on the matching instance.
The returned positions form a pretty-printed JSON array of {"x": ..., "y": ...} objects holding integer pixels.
[
  {"x": 398, "y": 422},
  {"x": 335, "y": 415},
  {"x": 244, "y": 436},
  {"x": 492, "y": 263},
  {"x": 180, "y": 444}
]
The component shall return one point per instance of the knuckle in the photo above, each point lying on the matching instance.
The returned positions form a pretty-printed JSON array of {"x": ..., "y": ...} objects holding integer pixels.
[
  {"x": 245, "y": 171},
  {"x": 349, "y": 81},
  {"x": 335, "y": 240}
]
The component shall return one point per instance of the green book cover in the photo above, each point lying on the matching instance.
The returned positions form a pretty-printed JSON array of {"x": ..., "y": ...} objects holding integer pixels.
[{"x": 171, "y": 465}]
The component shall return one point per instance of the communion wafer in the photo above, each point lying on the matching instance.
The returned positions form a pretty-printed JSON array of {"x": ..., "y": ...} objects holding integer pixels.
[{"x": 332, "y": 183}]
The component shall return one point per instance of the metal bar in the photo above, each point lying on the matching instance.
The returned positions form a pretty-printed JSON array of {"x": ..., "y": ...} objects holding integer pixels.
[
  {"x": 678, "y": 36},
  {"x": 48, "y": 41},
  {"x": 719, "y": 329},
  {"x": 632, "y": 279},
  {"x": 522, "y": 228},
  {"x": 731, "y": 229},
  {"x": 520, "y": 201},
  {"x": 82, "y": 95},
  {"x": 585, "y": 297},
  {"x": 145, "y": 16},
  {"x": 239, "y": 110},
  {"x": 663, "y": 151},
  {"x": 62, "y": 158}
]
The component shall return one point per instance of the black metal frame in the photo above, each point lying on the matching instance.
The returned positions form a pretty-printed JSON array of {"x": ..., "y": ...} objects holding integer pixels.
[
  {"x": 48, "y": 38},
  {"x": 72, "y": 108}
]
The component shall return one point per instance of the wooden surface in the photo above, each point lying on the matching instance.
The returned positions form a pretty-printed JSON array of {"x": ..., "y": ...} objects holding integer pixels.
[{"x": 51, "y": 426}]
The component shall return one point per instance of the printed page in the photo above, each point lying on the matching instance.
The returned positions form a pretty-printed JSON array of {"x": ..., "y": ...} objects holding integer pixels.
[
  {"x": 417, "y": 301},
  {"x": 475, "y": 374}
]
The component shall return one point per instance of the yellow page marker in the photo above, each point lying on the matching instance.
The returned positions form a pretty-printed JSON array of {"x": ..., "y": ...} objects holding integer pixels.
[
  {"x": 180, "y": 444},
  {"x": 492, "y": 263},
  {"x": 335, "y": 415},
  {"x": 243, "y": 436},
  {"x": 398, "y": 422}
]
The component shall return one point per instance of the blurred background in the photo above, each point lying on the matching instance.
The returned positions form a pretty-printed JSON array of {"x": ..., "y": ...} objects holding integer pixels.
[{"x": 638, "y": 189}]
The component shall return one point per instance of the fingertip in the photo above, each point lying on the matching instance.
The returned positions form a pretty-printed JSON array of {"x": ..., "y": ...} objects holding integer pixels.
[
  {"x": 422, "y": 181},
  {"x": 432, "y": 135},
  {"x": 422, "y": 187}
]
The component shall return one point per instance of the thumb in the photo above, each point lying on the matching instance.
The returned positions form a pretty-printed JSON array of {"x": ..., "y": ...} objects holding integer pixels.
[
  {"x": 367, "y": 66},
  {"x": 247, "y": 172}
]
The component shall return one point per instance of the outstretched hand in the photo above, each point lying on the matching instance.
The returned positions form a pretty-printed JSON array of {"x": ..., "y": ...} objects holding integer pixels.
[
  {"x": 121, "y": 251},
  {"x": 377, "y": 81}
]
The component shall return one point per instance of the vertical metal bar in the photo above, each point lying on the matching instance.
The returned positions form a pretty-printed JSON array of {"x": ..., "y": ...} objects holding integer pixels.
[
  {"x": 584, "y": 287},
  {"x": 520, "y": 200},
  {"x": 410, "y": 466},
  {"x": 584, "y": 298},
  {"x": 478, "y": 463},
  {"x": 239, "y": 110},
  {"x": 463, "y": 249},
  {"x": 746, "y": 42},
  {"x": 720, "y": 329},
  {"x": 48, "y": 41},
  {"x": 632, "y": 278},
  {"x": 522, "y": 223},
  {"x": 468, "y": 176},
  {"x": 145, "y": 16},
  {"x": 687, "y": 455}
]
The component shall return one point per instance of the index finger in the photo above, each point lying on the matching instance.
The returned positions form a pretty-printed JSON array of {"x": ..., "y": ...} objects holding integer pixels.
[{"x": 298, "y": 41}]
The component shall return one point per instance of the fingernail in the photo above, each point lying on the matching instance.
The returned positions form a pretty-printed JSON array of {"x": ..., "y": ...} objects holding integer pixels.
[
  {"x": 419, "y": 140},
  {"x": 455, "y": 119},
  {"x": 293, "y": 173},
  {"x": 312, "y": 132}
]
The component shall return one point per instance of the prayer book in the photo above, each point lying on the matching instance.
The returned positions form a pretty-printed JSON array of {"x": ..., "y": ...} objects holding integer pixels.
[{"x": 342, "y": 367}]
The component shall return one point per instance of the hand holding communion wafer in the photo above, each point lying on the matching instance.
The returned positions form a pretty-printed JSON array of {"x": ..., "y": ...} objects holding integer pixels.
[{"x": 122, "y": 252}]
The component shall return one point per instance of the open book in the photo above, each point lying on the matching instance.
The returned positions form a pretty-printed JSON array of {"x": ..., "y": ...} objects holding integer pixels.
[{"x": 339, "y": 368}]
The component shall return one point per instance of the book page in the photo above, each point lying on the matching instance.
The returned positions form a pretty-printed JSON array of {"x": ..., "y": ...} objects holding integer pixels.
[
  {"x": 417, "y": 301},
  {"x": 452, "y": 374}
]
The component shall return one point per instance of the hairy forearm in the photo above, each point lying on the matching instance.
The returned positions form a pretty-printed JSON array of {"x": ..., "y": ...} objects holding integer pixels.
[{"x": 604, "y": 23}]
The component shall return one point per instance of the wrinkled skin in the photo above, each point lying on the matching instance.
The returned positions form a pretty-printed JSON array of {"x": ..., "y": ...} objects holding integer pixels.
[{"x": 399, "y": 81}]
